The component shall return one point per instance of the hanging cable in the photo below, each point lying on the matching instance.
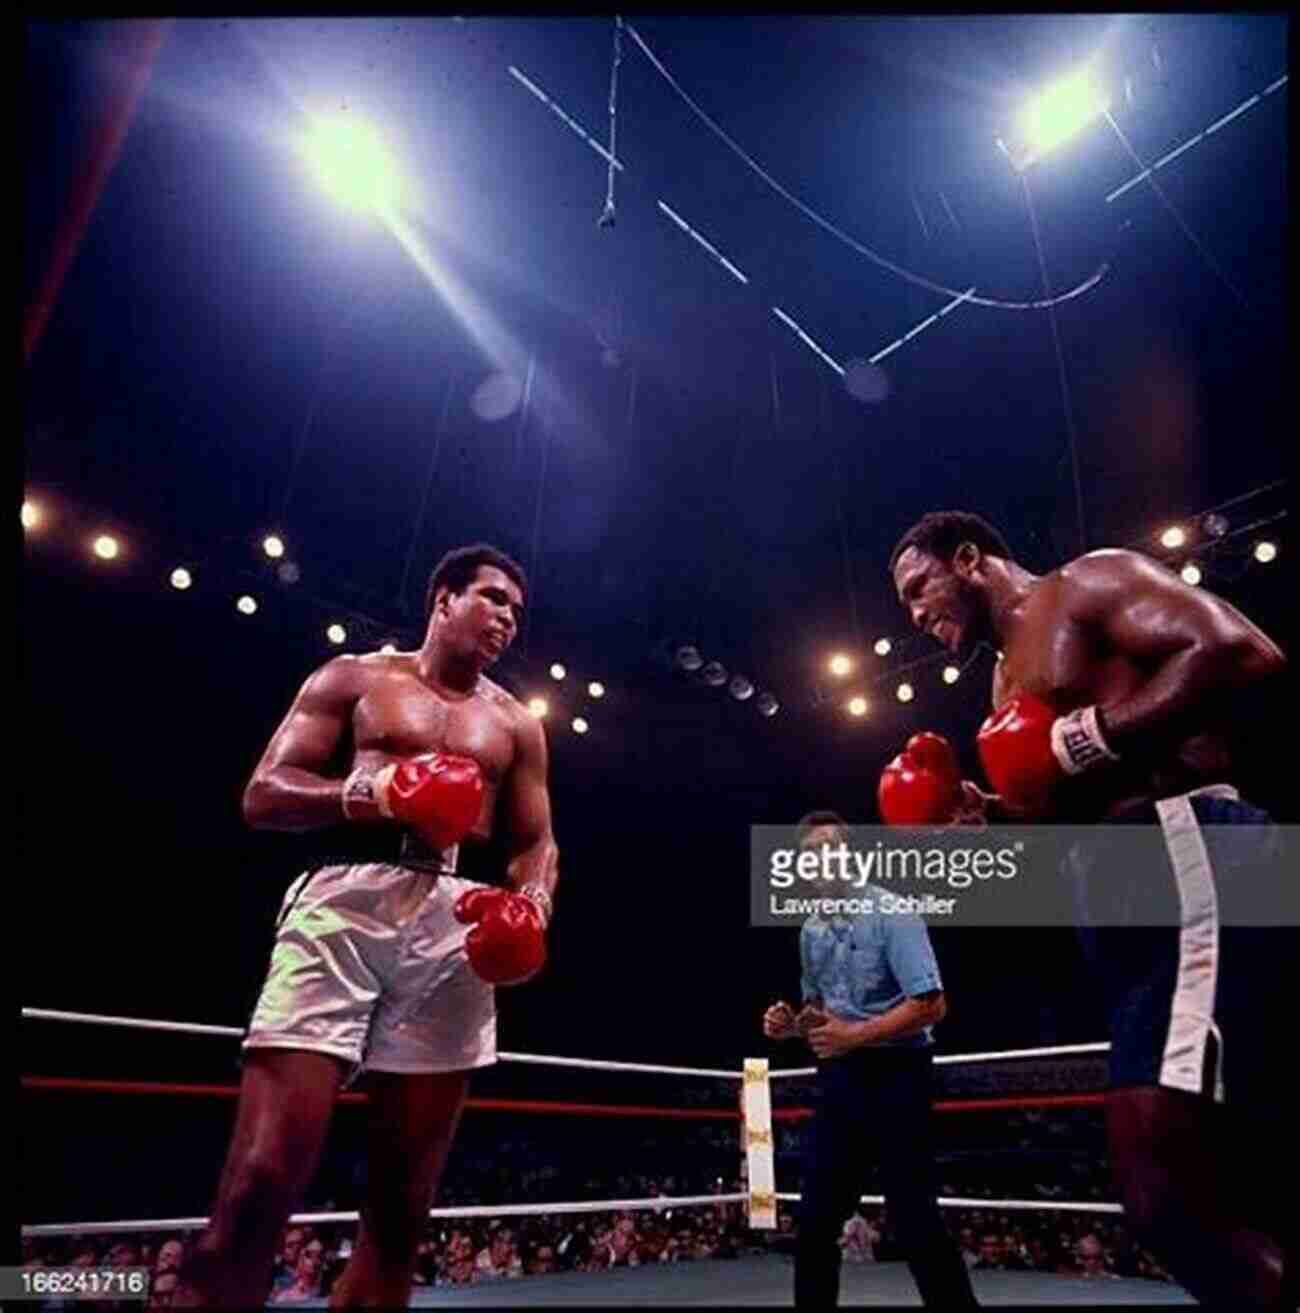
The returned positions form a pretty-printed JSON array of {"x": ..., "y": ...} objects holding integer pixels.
[
  {"x": 428, "y": 488},
  {"x": 1046, "y": 303},
  {"x": 1066, "y": 403},
  {"x": 1178, "y": 219},
  {"x": 547, "y": 425},
  {"x": 606, "y": 219}
]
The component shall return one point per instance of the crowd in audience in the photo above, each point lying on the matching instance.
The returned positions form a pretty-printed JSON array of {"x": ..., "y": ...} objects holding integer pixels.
[
  {"x": 1008, "y": 1156},
  {"x": 457, "y": 1253}
]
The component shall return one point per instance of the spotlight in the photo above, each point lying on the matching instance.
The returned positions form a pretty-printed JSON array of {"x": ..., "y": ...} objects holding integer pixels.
[
  {"x": 31, "y": 515},
  {"x": 1173, "y": 537},
  {"x": 1191, "y": 574},
  {"x": 538, "y": 707},
  {"x": 106, "y": 548},
  {"x": 951, "y": 674},
  {"x": 767, "y": 705},
  {"x": 596, "y": 689},
  {"x": 689, "y": 658},
  {"x": 906, "y": 692},
  {"x": 273, "y": 546},
  {"x": 246, "y": 605},
  {"x": 839, "y": 665},
  {"x": 883, "y": 647},
  {"x": 857, "y": 706},
  {"x": 181, "y": 578},
  {"x": 580, "y": 726},
  {"x": 1265, "y": 552},
  {"x": 337, "y": 635},
  {"x": 389, "y": 649},
  {"x": 714, "y": 674},
  {"x": 558, "y": 671},
  {"x": 1054, "y": 117},
  {"x": 740, "y": 688},
  {"x": 350, "y": 161}
]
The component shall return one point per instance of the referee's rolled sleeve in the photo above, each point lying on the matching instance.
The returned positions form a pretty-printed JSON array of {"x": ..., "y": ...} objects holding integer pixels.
[{"x": 911, "y": 957}]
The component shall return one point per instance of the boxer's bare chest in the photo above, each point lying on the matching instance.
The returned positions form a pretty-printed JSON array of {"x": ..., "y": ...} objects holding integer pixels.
[
  {"x": 401, "y": 716},
  {"x": 1054, "y": 657},
  {"x": 1058, "y": 659}
]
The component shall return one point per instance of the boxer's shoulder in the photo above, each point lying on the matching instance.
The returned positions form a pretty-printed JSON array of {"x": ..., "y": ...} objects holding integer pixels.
[
  {"x": 1095, "y": 581},
  {"x": 496, "y": 696},
  {"x": 364, "y": 669},
  {"x": 1105, "y": 567}
]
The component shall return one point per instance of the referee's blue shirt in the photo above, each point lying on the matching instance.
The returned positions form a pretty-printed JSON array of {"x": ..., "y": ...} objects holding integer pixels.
[{"x": 860, "y": 968}]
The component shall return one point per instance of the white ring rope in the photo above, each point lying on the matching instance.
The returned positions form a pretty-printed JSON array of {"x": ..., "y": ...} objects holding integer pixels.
[
  {"x": 237, "y": 1032},
  {"x": 1049, "y": 1205},
  {"x": 658, "y": 1203},
  {"x": 547, "y": 1060},
  {"x": 522, "y": 1210},
  {"x": 946, "y": 1059},
  {"x": 475, "y": 1210}
]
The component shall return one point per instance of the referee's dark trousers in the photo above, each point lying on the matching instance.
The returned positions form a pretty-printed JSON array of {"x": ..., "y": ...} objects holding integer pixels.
[{"x": 873, "y": 1105}]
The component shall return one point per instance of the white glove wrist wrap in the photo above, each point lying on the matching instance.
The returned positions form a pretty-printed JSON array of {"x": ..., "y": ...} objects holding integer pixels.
[
  {"x": 1077, "y": 741},
  {"x": 536, "y": 894},
  {"x": 367, "y": 788}
]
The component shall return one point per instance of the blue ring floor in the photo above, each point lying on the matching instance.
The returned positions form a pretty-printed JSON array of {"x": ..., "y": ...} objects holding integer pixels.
[{"x": 769, "y": 1282}]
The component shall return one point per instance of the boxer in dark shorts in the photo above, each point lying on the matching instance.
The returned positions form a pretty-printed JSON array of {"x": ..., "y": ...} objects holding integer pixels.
[
  {"x": 386, "y": 967},
  {"x": 1118, "y": 695}
]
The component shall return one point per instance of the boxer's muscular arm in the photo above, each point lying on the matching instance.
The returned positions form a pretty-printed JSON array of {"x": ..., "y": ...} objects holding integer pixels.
[
  {"x": 287, "y": 790},
  {"x": 1197, "y": 646},
  {"x": 534, "y": 857}
]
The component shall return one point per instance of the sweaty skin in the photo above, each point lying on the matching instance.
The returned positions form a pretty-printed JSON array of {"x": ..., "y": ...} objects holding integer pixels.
[
  {"x": 393, "y": 706},
  {"x": 1163, "y": 660}
]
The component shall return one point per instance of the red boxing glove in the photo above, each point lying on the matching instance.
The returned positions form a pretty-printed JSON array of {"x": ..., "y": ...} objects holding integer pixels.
[
  {"x": 438, "y": 795},
  {"x": 922, "y": 785},
  {"x": 1027, "y": 750},
  {"x": 506, "y": 944}
]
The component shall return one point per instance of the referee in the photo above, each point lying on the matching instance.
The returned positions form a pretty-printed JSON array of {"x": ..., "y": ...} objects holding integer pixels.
[{"x": 871, "y": 993}]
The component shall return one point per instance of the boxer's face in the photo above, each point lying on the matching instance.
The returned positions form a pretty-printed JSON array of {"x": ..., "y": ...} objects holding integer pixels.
[
  {"x": 943, "y": 600},
  {"x": 482, "y": 621}
]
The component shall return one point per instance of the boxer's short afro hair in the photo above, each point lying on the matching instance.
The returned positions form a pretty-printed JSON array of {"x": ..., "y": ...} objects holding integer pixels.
[
  {"x": 940, "y": 533},
  {"x": 457, "y": 570}
]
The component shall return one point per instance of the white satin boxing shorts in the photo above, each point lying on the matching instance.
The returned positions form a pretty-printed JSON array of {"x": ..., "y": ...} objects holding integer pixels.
[{"x": 369, "y": 965}]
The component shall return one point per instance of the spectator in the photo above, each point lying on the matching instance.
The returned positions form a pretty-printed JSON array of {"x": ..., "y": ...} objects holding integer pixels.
[
  {"x": 427, "y": 1258},
  {"x": 541, "y": 1259},
  {"x": 1091, "y": 1257},
  {"x": 458, "y": 1261},
  {"x": 992, "y": 1253},
  {"x": 970, "y": 1250},
  {"x": 170, "y": 1253},
  {"x": 162, "y": 1288},
  {"x": 125, "y": 1253},
  {"x": 858, "y": 1239},
  {"x": 286, "y": 1261},
  {"x": 306, "y": 1282},
  {"x": 623, "y": 1243}
]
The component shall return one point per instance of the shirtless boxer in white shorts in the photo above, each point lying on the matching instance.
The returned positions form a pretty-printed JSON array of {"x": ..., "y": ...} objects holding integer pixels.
[{"x": 386, "y": 968}]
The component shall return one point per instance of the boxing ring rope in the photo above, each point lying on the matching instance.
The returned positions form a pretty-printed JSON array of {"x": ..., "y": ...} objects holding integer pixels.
[
  {"x": 548, "y": 1060},
  {"x": 657, "y": 1203},
  {"x": 1054, "y": 1051}
]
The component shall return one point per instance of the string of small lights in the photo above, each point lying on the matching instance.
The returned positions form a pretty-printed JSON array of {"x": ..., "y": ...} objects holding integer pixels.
[{"x": 1209, "y": 543}]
